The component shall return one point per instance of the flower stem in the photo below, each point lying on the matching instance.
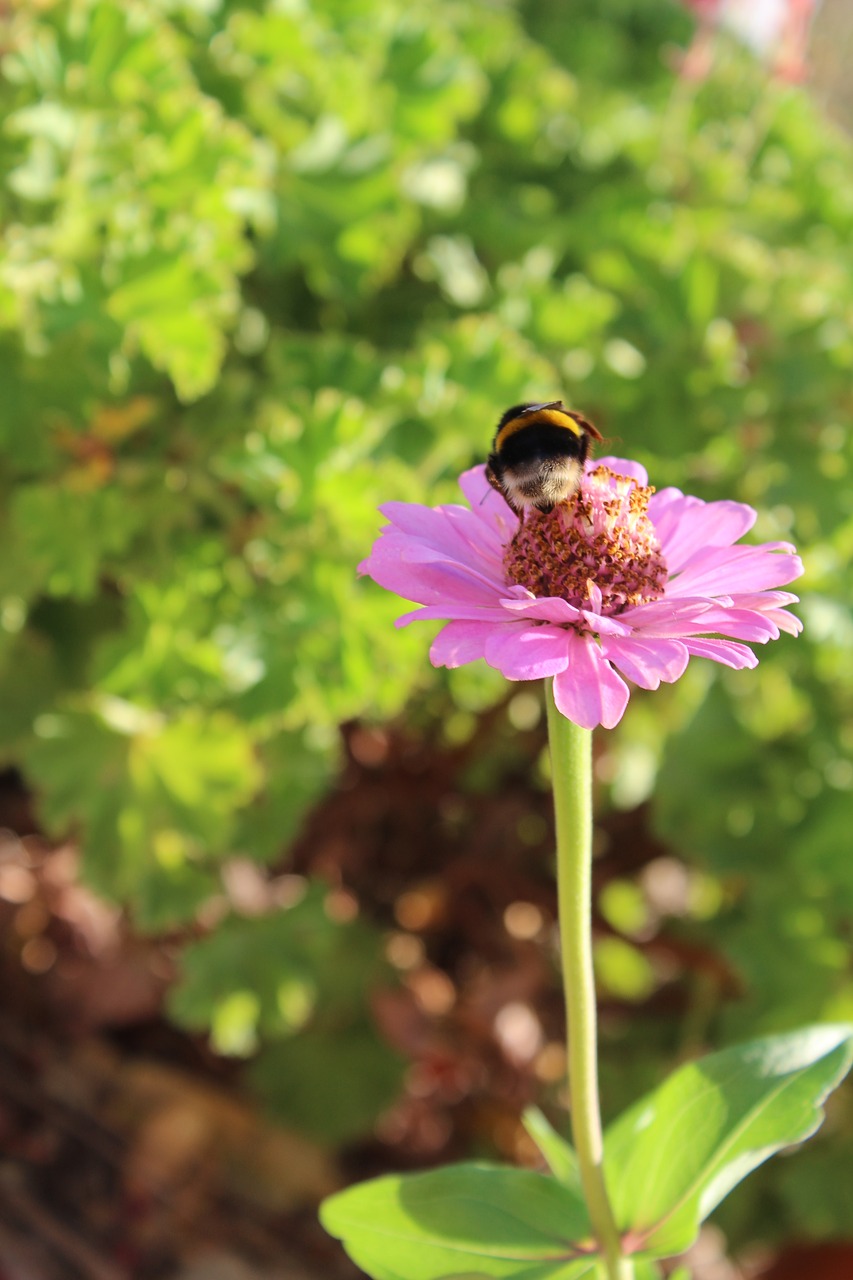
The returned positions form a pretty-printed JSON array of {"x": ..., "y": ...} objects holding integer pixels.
[{"x": 571, "y": 767}]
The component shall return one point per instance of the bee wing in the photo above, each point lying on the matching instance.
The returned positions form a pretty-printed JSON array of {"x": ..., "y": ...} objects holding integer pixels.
[{"x": 550, "y": 404}]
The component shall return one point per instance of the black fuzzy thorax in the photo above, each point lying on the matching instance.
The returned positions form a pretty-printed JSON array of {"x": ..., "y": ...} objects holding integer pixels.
[{"x": 540, "y": 442}]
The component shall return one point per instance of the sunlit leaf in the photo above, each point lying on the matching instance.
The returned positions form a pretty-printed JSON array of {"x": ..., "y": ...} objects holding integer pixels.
[
  {"x": 561, "y": 1158},
  {"x": 677, "y": 1153},
  {"x": 463, "y": 1220}
]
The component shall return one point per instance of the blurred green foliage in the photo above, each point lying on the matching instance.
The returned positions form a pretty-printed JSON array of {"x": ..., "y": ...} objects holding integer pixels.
[
  {"x": 300, "y": 983},
  {"x": 266, "y": 265}
]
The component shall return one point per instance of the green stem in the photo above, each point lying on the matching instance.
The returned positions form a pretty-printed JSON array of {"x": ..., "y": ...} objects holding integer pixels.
[{"x": 571, "y": 767}]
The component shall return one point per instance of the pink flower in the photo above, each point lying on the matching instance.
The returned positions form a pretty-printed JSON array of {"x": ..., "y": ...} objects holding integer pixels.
[
  {"x": 776, "y": 30},
  {"x": 619, "y": 581}
]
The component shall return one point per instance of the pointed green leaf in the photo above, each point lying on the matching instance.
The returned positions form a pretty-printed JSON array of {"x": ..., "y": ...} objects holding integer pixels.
[
  {"x": 645, "y": 1269},
  {"x": 673, "y": 1157},
  {"x": 466, "y": 1220},
  {"x": 558, "y": 1153}
]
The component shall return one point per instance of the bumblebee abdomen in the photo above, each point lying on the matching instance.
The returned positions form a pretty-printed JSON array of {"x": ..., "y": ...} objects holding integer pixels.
[
  {"x": 541, "y": 440},
  {"x": 538, "y": 455}
]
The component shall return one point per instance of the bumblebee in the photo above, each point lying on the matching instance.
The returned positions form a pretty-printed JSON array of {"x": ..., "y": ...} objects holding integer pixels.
[{"x": 538, "y": 455}]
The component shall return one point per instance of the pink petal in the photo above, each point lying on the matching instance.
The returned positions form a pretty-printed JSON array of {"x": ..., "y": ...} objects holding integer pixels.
[
  {"x": 600, "y": 624},
  {"x": 595, "y": 598},
  {"x": 698, "y": 618},
  {"x": 686, "y": 525},
  {"x": 768, "y": 603},
  {"x": 527, "y": 653},
  {"x": 784, "y": 620},
  {"x": 454, "y": 531},
  {"x": 719, "y": 570},
  {"x": 418, "y": 573},
  {"x": 647, "y": 662},
  {"x": 725, "y": 651},
  {"x": 454, "y": 612},
  {"x": 547, "y": 609},
  {"x": 476, "y": 534},
  {"x": 487, "y": 504},
  {"x": 763, "y": 599},
  {"x": 621, "y": 466},
  {"x": 460, "y": 642},
  {"x": 737, "y": 624},
  {"x": 666, "y": 617},
  {"x": 588, "y": 691},
  {"x": 555, "y": 609}
]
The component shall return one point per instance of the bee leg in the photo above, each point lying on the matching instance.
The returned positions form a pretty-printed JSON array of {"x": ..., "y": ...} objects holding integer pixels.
[
  {"x": 493, "y": 475},
  {"x": 493, "y": 468}
]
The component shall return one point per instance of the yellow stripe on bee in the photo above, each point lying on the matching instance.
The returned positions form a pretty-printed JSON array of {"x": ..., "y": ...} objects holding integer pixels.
[{"x": 553, "y": 417}]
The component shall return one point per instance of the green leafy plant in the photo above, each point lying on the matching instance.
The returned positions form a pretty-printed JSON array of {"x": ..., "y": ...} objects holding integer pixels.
[
  {"x": 242, "y": 301},
  {"x": 669, "y": 1161},
  {"x": 296, "y": 982}
]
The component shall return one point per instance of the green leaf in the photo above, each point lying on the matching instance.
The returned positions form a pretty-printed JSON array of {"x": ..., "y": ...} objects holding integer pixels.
[
  {"x": 161, "y": 792},
  {"x": 61, "y": 537},
  {"x": 645, "y": 1269},
  {"x": 678, "y": 1152},
  {"x": 287, "y": 959},
  {"x": 558, "y": 1153},
  {"x": 465, "y": 1220},
  {"x": 330, "y": 1083},
  {"x": 295, "y": 986}
]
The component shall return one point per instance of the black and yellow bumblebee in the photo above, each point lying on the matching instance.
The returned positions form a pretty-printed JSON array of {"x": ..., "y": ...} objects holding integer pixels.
[{"x": 538, "y": 455}]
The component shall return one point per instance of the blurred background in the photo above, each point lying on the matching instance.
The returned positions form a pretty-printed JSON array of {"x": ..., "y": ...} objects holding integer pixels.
[{"x": 276, "y": 897}]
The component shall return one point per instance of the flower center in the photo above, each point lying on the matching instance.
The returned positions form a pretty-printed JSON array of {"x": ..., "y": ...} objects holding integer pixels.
[{"x": 602, "y": 537}]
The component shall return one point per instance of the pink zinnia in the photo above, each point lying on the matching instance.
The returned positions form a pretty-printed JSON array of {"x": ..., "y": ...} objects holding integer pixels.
[{"x": 620, "y": 579}]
